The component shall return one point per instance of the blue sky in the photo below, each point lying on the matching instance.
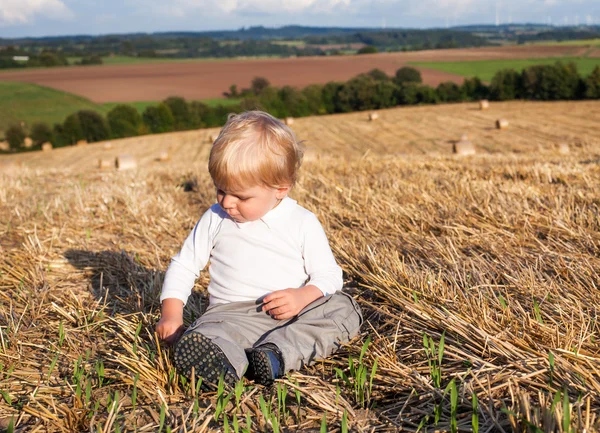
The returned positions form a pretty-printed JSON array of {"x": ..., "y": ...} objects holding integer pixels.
[{"x": 66, "y": 17}]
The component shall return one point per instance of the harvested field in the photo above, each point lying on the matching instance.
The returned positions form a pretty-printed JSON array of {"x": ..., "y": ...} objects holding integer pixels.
[
  {"x": 496, "y": 253},
  {"x": 209, "y": 79}
]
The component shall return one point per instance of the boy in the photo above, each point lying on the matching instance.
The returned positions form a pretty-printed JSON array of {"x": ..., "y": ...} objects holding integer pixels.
[{"x": 275, "y": 288}]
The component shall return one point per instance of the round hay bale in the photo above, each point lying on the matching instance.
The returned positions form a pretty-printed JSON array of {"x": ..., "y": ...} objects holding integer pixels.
[
  {"x": 501, "y": 124},
  {"x": 107, "y": 145},
  {"x": 464, "y": 147},
  {"x": 288, "y": 121},
  {"x": 373, "y": 116},
  {"x": 163, "y": 156},
  {"x": 4, "y": 145},
  {"x": 47, "y": 146},
  {"x": 81, "y": 142},
  {"x": 212, "y": 138},
  {"x": 564, "y": 149},
  {"x": 484, "y": 104},
  {"x": 28, "y": 142},
  {"x": 125, "y": 162},
  {"x": 105, "y": 163}
]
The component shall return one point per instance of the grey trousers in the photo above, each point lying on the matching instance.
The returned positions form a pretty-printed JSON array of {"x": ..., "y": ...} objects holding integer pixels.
[{"x": 316, "y": 332}]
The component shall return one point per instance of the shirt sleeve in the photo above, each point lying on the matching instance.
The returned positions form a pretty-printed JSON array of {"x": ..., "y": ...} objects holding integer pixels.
[
  {"x": 185, "y": 267},
  {"x": 319, "y": 262}
]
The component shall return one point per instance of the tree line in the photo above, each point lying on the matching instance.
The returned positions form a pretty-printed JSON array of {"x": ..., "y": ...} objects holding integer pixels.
[{"x": 368, "y": 91}]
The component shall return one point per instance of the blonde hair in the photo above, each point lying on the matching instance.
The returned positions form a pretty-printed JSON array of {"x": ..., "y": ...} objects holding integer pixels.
[{"x": 255, "y": 148}]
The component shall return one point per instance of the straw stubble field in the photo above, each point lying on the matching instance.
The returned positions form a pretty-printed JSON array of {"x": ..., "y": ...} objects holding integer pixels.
[{"x": 497, "y": 255}]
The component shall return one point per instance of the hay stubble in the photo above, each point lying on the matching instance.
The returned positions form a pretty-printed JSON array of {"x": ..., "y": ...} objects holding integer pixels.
[{"x": 501, "y": 252}]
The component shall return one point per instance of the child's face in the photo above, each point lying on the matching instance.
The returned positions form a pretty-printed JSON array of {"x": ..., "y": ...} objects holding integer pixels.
[{"x": 250, "y": 204}]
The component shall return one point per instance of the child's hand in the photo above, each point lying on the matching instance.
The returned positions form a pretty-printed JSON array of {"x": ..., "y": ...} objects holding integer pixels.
[
  {"x": 170, "y": 325},
  {"x": 169, "y": 329},
  {"x": 285, "y": 304}
]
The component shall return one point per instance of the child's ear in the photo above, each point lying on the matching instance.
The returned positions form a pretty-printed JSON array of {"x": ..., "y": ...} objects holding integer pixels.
[{"x": 282, "y": 192}]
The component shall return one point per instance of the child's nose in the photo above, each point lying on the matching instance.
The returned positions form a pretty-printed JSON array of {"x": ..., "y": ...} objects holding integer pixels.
[{"x": 227, "y": 202}]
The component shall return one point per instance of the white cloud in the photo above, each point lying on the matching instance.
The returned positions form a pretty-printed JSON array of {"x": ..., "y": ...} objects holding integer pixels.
[{"x": 14, "y": 12}]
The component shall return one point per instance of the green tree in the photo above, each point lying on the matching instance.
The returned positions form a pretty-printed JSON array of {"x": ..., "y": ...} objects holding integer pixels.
[
  {"x": 259, "y": 84},
  {"x": 449, "y": 92},
  {"x": 330, "y": 96},
  {"x": 71, "y": 131},
  {"x": 124, "y": 121},
  {"x": 427, "y": 95},
  {"x": 294, "y": 102},
  {"x": 93, "y": 126},
  {"x": 15, "y": 136},
  {"x": 408, "y": 74},
  {"x": 551, "y": 82},
  {"x": 407, "y": 94},
  {"x": 199, "y": 114},
  {"x": 181, "y": 112},
  {"x": 368, "y": 49},
  {"x": 505, "y": 85},
  {"x": 158, "y": 118},
  {"x": 41, "y": 133},
  {"x": 314, "y": 99},
  {"x": 592, "y": 84},
  {"x": 474, "y": 89},
  {"x": 378, "y": 75}
]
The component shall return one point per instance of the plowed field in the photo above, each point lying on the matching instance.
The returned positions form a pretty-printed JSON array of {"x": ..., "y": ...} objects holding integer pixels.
[{"x": 209, "y": 79}]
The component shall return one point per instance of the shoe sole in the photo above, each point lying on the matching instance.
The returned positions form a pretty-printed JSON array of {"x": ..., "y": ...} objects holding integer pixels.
[
  {"x": 209, "y": 361},
  {"x": 262, "y": 373}
]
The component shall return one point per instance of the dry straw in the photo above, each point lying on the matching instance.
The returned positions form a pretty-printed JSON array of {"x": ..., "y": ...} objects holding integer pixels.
[{"x": 500, "y": 259}]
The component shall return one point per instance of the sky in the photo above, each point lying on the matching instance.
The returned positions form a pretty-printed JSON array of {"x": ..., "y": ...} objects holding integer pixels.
[{"x": 20, "y": 18}]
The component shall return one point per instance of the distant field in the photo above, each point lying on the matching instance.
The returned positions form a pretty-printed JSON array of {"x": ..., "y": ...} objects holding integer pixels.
[
  {"x": 199, "y": 79},
  {"x": 583, "y": 42},
  {"x": 129, "y": 60},
  {"x": 30, "y": 103},
  {"x": 485, "y": 69}
]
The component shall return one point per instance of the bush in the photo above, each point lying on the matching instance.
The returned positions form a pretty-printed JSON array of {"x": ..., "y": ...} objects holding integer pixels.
[
  {"x": 259, "y": 84},
  {"x": 551, "y": 82},
  {"x": 71, "y": 131},
  {"x": 158, "y": 118},
  {"x": 408, "y": 75},
  {"x": 592, "y": 84},
  {"x": 368, "y": 49},
  {"x": 427, "y": 95},
  {"x": 449, "y": 92},
  {"x": 93, "y": 126},
  {"x": 329, "y": 96},
  {"x": 408, "y": 94},
  {"x": 200, "y": 115},
  {"x": 124, "y": 121},
  {"x": 505, "y": 85},
  {"x": 41, "y": 133},
  {"x": 294, "y": 102},
  {"x": 378, "y": 75},
  {"x": 181, "y": 112},
  {"x": 90, "y": 60},
  {"x": 314, "y": 98},
  {"x": 15, "y": 136},
  {"x": 474, "y": 89}
]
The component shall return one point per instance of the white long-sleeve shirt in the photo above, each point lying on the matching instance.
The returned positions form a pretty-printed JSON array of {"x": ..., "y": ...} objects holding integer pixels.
[{"x": 286, "y": 248}]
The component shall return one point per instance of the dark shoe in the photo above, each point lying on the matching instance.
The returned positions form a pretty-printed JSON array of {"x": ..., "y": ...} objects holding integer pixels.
[
  {"x": 209, "y": 361},
  {"x": 265, "y": 364}
]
